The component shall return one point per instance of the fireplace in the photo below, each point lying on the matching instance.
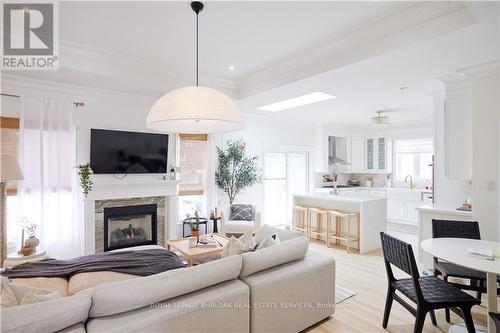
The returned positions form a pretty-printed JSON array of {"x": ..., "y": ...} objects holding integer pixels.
[{"x": 128, "y": 226}]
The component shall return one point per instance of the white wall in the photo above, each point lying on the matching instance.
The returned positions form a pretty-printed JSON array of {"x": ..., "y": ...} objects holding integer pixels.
[
  {"x": 261, "y": 131},
  {"x": 447, "y": 192},
  {"x": 485, "y": 164}
]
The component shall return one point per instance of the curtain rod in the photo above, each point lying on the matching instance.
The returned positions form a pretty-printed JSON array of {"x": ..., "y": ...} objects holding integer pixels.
[{"x": 76, "y": 104}]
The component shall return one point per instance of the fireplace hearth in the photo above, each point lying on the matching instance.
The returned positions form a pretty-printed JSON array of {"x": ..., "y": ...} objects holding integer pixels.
[{"x": 128, "y": 226}]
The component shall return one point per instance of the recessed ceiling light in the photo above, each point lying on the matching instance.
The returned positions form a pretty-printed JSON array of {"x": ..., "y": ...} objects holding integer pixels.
[
  {"x": 231, "y": 68},
  {"x": 296, "y": 101}
]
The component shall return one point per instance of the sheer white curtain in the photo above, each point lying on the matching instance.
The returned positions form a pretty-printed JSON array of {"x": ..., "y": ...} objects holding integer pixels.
[
  {"x": 214, "y": 140},
  {"x": 47, "y": 195}
]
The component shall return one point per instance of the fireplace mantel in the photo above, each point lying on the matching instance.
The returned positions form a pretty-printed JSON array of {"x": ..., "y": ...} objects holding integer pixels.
[{"x": 106, "y": 187}]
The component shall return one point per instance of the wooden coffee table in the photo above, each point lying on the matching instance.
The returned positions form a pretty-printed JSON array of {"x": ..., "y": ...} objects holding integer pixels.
[{"x": 182, "y": 246}]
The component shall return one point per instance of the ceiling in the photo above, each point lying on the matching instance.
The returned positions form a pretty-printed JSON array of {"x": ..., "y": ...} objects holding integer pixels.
[
  {"x": 361, "y": 52},
  {"x": 248, "y": 35},
  {"x": 375, "y": 84}
]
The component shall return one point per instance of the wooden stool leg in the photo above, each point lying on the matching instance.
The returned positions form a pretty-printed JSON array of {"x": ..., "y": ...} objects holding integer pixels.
[
  {"x": 358, "y": 233},
  {"x": 327, "y": 230},
  {"x": 318, "y": 225},
  {"x": 348, "y": 233},
  {"x": 337, "y": 230}
]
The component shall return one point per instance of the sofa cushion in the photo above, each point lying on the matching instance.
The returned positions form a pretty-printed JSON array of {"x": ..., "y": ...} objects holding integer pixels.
[
  {"x": 274, "y": 255},
  {"x": 122, "y": 296},
  {"x": 241, "y": 212},
  {"x": 15, "y": 294},
  {"x": 49, "y": 316},
  {"x": 81, "y": 281},
  {"x": 52, "y": 283},
  {"x": 221, "y": 308},
  {"x": 77, "y": 328},
  {"x": 269, "y": 241},
  {"x": 266, "y": 230}
]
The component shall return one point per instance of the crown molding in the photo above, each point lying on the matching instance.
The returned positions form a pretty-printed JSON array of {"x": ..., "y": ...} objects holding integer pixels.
[
  {"x": 421, "y": 21},
  {"x": 463, "y": 78},
  {"x": 21, "y": 85}
]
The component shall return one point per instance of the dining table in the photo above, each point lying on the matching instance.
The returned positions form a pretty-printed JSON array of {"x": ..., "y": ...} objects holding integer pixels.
[{"x": 457, "y": 251}]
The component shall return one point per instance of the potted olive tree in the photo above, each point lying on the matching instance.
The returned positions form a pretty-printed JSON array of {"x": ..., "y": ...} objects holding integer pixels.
[{"x": 235, "y": 171}]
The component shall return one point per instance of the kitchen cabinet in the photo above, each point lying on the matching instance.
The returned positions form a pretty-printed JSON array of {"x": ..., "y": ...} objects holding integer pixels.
[
  {"x": 402, "y": 206},
  {"x": 376, "y": 154},
  {"x": 357, "y": 154},
  {"x": 458, "y": 132}
]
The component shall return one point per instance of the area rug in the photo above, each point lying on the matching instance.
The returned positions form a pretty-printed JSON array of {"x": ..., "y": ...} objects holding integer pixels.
[{"x": 341, "y": 294}]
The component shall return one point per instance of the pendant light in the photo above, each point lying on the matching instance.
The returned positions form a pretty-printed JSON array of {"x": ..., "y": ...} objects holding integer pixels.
[{"x": 195, "y": 109}]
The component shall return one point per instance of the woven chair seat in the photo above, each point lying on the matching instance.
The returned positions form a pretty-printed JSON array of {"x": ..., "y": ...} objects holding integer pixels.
[{"x": 434, "y": 290}]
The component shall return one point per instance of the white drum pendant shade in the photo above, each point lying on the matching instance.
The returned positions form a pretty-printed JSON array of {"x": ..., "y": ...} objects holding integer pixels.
[{"x": 194, "y": 110}]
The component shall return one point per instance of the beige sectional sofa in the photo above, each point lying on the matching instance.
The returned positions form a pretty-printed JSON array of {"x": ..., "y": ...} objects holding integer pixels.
[{"x": 282, "y": 288}]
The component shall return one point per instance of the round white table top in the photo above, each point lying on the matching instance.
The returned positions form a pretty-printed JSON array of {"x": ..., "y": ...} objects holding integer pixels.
[{"x": 454, "y": 250}]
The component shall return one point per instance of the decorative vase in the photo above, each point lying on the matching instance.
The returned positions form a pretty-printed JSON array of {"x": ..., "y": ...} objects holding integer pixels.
[
  {"x": 195, "y": 233},
  {"x": 32, "y": 241},
  {"x": 25, "y": 251}
]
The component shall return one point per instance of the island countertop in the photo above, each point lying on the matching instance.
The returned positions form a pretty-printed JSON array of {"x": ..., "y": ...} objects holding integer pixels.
[
  {"x": 339, "y": 198},
  {"x": 372, "y": 213}
]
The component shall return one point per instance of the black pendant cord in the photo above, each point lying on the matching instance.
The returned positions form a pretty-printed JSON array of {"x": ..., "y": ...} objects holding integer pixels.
[
  {"x": 197, "y": 7},
  {"x": 197, "y": 49}
]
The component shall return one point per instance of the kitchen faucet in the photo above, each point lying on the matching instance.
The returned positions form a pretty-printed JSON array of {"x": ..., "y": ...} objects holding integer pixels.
[{"x": 411, "y": 181}]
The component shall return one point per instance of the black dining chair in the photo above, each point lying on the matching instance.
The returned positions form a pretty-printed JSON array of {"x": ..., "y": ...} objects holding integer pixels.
[
  {"x": 458, "y": 229},
  {"x": 496, "y": 320},
  {"x": 429, "y": 293}
]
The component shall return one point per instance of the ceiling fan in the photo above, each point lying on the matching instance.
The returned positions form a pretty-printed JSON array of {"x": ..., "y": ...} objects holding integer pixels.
[{"x": 379, "y": 119}]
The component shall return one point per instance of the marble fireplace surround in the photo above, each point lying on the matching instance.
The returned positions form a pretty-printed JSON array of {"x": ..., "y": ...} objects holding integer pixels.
[
  {"x": 161, "y": 220},
  {"x": 133, "y": 190}
]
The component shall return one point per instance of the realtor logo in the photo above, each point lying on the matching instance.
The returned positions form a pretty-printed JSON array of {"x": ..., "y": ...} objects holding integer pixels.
[{"x": 29, "y": 36}]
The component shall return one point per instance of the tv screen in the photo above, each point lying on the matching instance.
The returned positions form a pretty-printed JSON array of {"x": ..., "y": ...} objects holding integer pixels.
[{"x": 120, "y": 152}]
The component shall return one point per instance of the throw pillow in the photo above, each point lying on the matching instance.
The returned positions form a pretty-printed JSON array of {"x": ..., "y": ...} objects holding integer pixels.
[
  {"x": 234, "y": 246},
  {"x": 241, "y": 212},
  {"x": 247, "y": 239},
  {"x": 269, "y": 241},
  {"x": 14, "y": 294}
]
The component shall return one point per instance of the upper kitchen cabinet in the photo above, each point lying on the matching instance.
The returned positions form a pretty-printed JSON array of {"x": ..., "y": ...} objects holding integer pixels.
[
  {"x": 377, "y": 156},
  {"x": 357, "y": 154},
  {"x": 458, "y": 128}
]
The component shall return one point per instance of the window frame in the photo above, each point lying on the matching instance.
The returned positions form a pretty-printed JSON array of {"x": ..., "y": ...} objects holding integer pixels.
[
  {"x": 416, "y": 180},
  {"x": 10, "y": 123}
]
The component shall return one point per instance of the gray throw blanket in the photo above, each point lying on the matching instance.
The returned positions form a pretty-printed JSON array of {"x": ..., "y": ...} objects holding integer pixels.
[{"x": 142, "y": 263}]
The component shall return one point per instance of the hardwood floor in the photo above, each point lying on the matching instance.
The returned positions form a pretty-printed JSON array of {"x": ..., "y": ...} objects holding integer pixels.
[{"x": 365, "y": 275}]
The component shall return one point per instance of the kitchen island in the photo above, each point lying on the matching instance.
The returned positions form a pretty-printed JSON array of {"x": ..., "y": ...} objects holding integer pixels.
[{"x": 372, "y": 212}]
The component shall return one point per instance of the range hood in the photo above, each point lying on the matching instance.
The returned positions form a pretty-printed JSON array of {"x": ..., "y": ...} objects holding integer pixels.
[{"x": 335, "y": 147}]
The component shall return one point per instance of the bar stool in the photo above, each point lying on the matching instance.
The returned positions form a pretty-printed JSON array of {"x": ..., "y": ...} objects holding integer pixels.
[
  {"x": 349, "y": 218},
  {"x": 300, "y": 219},
  {"x": 318, "y": 215}
]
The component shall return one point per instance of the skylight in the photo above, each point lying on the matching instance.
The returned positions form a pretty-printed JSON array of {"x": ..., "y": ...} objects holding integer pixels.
[{"x": 296, "y": 101}]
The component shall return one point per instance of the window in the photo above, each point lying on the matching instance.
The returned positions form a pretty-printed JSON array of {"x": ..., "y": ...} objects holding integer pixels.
[
  {"x": 193, "y": 157},
  {"x": 9, "y": 138},
  {"x": 413, "y": 157}
]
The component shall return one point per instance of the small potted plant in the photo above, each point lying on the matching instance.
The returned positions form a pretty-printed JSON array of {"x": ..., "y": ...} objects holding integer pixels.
[
  {"x": 194, "y": 224},
  {"x": 32, "y": 241}
]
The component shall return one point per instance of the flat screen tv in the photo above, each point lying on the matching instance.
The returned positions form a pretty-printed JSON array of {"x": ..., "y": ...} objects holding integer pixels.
[{"x": 121, "y": 152}]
